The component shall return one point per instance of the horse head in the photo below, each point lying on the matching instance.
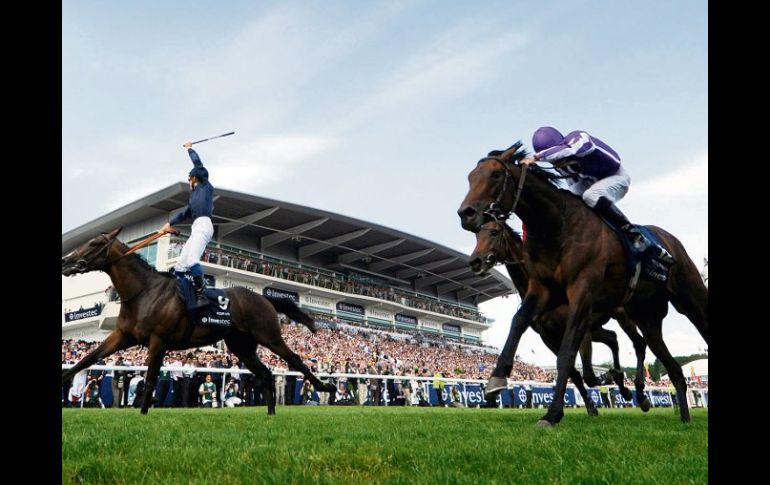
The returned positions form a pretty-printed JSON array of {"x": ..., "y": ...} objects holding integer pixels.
[
  {"x": 489, "y": 248},
  {"x": 90, "y": 256},
  {"x": 489, "y": 184}
]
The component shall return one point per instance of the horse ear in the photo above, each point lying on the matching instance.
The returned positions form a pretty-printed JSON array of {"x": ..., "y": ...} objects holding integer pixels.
[
  {"x": 115, "y": 233},
  {"x": 514, "y": 152}
]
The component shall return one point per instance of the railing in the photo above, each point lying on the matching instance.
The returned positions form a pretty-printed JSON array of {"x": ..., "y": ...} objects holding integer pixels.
[{"x": 471, "y": 394}]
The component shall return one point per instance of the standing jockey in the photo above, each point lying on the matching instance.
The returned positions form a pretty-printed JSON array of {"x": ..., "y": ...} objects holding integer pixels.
[
  {"x": 597, "y": 176},
  {"x": 199, "y": 210}
]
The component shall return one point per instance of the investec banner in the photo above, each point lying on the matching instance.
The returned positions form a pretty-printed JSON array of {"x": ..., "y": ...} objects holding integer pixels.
[
  {"x": 544, "y": 396},
  {"x": 277, "y": 294},
  {"x": 660, "y": 398},
  {"x": 228, "y": 282},
  {"x": 94, "y": 311},
  {"x": 317, "y": 301},
  {"x": 657, "y": 398},
  {"x": 350, "y": 308},
  {"x": 379, "y": 314},
  {"x": 406, "y": 319},
  {"x": 451, "y": 328}
]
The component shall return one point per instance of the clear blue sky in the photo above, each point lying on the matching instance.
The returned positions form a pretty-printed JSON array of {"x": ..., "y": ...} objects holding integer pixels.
[{"x": 378, "y": 110}]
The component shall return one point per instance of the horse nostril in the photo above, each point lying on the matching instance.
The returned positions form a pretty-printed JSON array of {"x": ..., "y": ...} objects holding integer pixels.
[
  {"x": 491, "y": 259},
  {"x": 475, "y": 263},
  {"x": 467, "y": 212}
]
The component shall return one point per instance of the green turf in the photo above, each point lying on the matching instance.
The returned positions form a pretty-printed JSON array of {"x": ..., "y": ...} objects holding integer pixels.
[{"x": 381, "y": 445}]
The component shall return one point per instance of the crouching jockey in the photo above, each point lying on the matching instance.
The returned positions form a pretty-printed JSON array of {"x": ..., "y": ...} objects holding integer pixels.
[
  {"x": 597, "y": 177},
  {"x": 199, "y": 210}
]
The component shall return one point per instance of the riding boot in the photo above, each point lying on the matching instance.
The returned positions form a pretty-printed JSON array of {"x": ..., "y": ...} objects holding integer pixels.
[
  {"x": 610, "y": 211},
  {"x": 200, "y": 284}
]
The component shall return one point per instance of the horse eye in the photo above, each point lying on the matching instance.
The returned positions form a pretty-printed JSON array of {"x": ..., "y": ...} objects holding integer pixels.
[
  {"x": 495, "y": 233},
  {"x": 497, "y": 174}
]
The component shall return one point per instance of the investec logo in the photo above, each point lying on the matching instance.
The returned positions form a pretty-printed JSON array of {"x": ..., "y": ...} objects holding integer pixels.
[
  {"x": 84, "y": 314},
  {"x": 214, "y": 321},
  {"x": 311, "y": 300}
]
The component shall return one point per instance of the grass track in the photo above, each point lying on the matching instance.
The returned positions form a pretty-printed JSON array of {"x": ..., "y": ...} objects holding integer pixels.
[{"x": 381, "y": 445}]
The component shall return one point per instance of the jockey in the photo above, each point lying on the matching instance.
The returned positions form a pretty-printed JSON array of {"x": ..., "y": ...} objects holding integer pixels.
[
  {"x": 199, "y": 210},
  {"x": 597, "y": 177}
]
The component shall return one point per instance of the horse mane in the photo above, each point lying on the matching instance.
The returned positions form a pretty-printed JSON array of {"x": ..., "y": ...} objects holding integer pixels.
[
  {"x": 548, "y": 175},
  {"x": 144, "y": 264}
]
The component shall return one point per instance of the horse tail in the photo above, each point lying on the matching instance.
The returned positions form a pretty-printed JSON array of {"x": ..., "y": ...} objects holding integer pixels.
[{"x": 291, "y": 310}]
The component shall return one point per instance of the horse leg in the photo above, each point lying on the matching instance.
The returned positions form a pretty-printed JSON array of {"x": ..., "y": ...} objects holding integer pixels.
[
  {"x": 578, "y": 381},
  {"x": 245, "y": 348},
  {"x": 155, "y": 352},
  {"x": 652, "y": 333},
  {"x": 533, "y": 301},
  {"x": 283, "y": 351},
  {"x": 115, "y": 341},
  {"x": 550, "y": 339},
  {"x": 610, "y": 339},
  {"x": 578, "y": 323},
  {"x": 586, "y": 353},
  {"x": 640, "y": 347}
]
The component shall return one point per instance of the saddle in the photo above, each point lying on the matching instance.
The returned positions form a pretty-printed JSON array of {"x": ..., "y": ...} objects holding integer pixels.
[
  {"x": 215, "y": 314},
  {"x": 645, "y": 262}
]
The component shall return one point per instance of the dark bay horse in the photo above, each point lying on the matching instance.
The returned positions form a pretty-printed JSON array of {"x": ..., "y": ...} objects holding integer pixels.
[
  {"x": 572, "y": 256},
  {"x": 497, "y": 243},
  {"x": 152, "y": 314}
]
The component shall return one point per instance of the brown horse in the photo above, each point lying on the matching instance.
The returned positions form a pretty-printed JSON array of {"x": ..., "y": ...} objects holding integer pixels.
[
  {"x": 573, "y": 256},
  {"x": 497, "y": 243},
  {"x": 153, "y": 314}
]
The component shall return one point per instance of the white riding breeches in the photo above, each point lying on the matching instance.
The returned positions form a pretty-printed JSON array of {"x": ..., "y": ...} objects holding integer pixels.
[
  {"x": 200, "y": 234},
  {"x": 613, "y": 188}
]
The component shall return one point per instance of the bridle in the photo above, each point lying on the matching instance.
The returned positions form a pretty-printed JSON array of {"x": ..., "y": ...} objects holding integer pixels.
[
  {"x": 495, "y": 209},
  {"x": 503, "y": 228}
]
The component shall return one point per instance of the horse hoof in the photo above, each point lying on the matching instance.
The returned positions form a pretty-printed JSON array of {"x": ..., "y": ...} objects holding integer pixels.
[
  {"x": 645, "y": 405},
  {"x": 593, "y": 412},
  {"x": 544, "y": 423},
  {"x": 626, "y": 394},
  {"x": 495, "y": 384}
]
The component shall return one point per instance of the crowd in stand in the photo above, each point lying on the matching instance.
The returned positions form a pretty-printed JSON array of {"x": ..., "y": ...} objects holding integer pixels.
[
  {"x": 335, "y": 348},
  {"x": 337, "y": 282}
]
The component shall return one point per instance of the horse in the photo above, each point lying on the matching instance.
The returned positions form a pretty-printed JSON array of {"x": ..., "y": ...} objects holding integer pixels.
[
  {"x": 572, "y": 255},
  {"x": 153, "y": 314},
  {"x": 497, "y": 243}
]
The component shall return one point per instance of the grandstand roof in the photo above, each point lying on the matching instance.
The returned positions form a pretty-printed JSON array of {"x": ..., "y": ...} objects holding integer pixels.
[{"x": 319, "y": 238}]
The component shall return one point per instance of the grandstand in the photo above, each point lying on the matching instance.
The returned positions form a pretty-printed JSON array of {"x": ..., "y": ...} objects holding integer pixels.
[{"x": 351, "y": 271}]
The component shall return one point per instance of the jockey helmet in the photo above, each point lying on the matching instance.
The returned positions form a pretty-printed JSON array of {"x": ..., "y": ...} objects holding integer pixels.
[{"x": 546, "y": 137}]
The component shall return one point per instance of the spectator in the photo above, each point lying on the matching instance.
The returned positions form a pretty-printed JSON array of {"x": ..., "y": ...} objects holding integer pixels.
[
  {"x": 208, "y": 393},
  {"x": 438, "y": 386},
  {"x": 231, "y": 398}
]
